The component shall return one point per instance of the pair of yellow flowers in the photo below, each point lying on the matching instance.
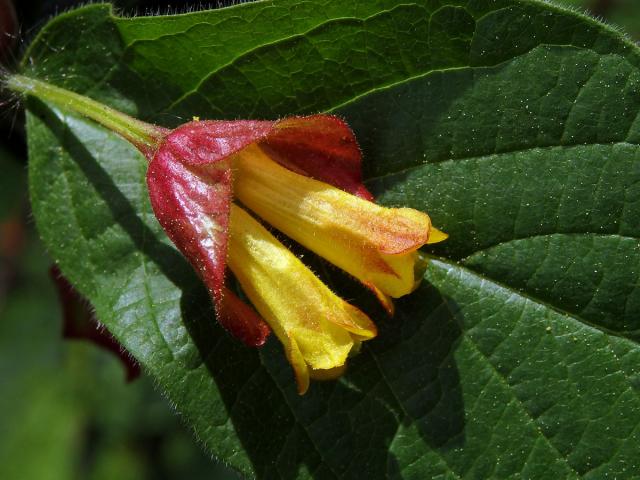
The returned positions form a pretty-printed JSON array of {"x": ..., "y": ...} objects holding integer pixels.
[
  {"x": 376, "y": 245},
  {"x": 301, "y": 175}
]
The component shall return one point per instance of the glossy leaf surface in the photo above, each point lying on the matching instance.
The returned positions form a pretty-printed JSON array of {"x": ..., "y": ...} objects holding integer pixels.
[{"x": 512, "y": 123}]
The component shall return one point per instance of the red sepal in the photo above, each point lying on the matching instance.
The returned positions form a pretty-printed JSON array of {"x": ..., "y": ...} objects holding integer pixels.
[
  {"x": 190, "y": 188},
  {"x": 192, "y": 204},
  {"x": 241, "y": 320}
]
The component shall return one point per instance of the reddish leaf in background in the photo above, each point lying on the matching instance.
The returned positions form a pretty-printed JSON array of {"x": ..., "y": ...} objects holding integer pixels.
[
  {"x": 8, "y": 27},
  {"x": 191, "y": 189},
  {"x": 80, "y": 323}
]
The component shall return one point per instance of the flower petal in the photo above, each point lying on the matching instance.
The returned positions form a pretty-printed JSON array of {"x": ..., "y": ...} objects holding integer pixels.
[
  {"x": 300, "y": 368},
  {"x": 356, "y": 322},
  {"x": 384, "y": 299},
  {"x": 311, "y": 321},
  {"x": 436, "y": 236},
  {"x": 375, "y": 244}
]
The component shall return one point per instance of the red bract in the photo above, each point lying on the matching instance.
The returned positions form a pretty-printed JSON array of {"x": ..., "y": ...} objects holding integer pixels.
[{"x": 190, "y": 182}]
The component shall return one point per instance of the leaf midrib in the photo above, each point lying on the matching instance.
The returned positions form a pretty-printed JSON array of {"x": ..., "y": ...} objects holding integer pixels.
[{"x": 533, "y": 299}]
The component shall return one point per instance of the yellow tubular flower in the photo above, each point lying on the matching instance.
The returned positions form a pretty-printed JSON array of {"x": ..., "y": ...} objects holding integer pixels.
[
  {"x": 377, "y": 245},
  {"x": 303, "y": 175},
  {"x": 317, "y": 328}
]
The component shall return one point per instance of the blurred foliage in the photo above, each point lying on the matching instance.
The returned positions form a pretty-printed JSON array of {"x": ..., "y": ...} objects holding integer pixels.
[
  {"x": 627, "y": 16},
  {"x": 12, "y": 182},
  {"x": 66, "y": 411}
]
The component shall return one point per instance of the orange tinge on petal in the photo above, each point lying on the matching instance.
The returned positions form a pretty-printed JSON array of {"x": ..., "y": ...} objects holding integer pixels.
[
  {"x": 317, "y": 328},
  {"x": 377, "y": 245}
]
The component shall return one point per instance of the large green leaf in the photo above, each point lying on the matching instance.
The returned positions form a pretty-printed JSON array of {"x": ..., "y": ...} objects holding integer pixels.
[{"x": 514, "y": 124}]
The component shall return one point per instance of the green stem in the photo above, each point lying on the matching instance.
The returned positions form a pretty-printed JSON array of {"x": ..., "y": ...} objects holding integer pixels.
[{"x": 144, "y": 136}]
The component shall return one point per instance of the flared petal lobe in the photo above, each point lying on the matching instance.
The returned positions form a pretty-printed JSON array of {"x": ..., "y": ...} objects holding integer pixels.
[
  {"x": 317, "y": 328},
  {"x": 377, "y": 245}
]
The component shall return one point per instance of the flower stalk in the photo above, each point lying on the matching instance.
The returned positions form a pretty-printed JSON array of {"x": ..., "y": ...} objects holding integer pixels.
[{"x": 144, "y": 136}]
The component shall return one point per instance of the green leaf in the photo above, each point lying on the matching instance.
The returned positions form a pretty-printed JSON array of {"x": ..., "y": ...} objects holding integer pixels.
[{"x": 514, "y": 124}]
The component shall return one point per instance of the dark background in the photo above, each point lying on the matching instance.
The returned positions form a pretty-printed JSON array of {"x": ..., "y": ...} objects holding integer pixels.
[{"x": 66, "y": 411}]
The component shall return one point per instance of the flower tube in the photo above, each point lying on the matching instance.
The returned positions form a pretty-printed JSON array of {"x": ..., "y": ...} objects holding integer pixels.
[
  {"x": 377, "y": 245},
  {"x": 317, "y": 328}
]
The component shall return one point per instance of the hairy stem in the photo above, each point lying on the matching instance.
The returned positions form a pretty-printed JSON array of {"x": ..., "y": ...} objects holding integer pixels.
[{"x": 146, "y": 137}]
